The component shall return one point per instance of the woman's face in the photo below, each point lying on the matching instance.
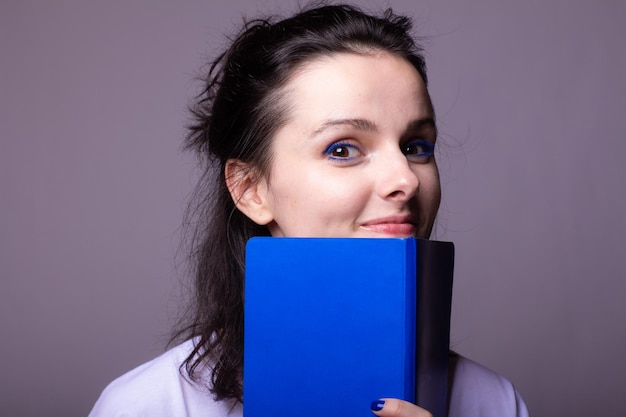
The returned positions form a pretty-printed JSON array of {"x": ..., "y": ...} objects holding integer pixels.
[{"x": 354, "y": 158}]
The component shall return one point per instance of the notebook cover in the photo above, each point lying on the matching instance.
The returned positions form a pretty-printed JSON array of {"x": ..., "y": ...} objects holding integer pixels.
[{"x": 331, "y": 325}]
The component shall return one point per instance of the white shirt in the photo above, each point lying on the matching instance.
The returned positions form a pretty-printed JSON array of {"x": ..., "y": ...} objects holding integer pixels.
[{"x": 157, "y": 389}]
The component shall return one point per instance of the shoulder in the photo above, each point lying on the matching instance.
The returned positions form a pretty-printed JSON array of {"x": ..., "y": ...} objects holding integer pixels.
[
  {"x": 157, "y": 388},
  {"x": 478, "y": 391}
]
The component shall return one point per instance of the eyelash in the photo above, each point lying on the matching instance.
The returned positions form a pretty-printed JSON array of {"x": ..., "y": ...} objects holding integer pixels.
[
  {"x": 338, "y": 145},
  {"x": 427, "y": 150}
]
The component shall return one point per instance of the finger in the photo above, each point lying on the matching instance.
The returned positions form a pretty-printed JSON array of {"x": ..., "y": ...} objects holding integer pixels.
[{"x": 391, "y": 407}]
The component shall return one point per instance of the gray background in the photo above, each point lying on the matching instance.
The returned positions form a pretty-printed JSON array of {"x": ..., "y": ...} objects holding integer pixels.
[{"x": 531, "y": 98}]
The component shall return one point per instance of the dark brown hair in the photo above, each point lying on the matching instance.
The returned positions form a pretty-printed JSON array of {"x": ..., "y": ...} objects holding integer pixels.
[{"x": 236, "y": 116}]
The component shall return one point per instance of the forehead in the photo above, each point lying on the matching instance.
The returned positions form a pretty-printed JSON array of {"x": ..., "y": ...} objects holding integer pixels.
[{"x": 374, "y": 85}]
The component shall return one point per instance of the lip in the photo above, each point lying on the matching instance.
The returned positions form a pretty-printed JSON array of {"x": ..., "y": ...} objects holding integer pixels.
[{"x": 396, "y": 226}]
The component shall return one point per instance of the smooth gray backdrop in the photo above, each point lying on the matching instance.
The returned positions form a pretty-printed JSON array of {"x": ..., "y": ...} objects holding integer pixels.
[{"x": 531, "y": 101}]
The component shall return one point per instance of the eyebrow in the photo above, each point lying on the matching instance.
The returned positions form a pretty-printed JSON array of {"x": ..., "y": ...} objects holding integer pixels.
[
  {"x": 369, "y": 126},
  {"x": 418, "y": 124},
  {"x": 359, "y": 124}
]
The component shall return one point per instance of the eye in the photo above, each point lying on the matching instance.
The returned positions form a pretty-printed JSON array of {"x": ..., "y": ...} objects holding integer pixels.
[
  {"x": 342, "y": 151},
  {"x": 418, "y": 149}
]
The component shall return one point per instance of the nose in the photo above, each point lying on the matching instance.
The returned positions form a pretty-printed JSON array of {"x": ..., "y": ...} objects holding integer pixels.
[{"x": 397, "y": 181}]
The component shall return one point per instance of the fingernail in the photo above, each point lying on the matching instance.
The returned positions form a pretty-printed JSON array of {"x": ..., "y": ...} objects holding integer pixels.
[{"x": 377, "y": 405}]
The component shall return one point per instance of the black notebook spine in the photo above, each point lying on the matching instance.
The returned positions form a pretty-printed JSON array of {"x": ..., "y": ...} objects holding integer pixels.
[{"x": 435, "y": 268}]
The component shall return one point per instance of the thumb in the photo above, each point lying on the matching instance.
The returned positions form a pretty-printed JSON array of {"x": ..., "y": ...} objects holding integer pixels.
[{"x": 392, "y": 407}]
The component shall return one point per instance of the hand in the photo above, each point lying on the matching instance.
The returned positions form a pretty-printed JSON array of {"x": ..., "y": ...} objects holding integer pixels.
[{"x": 391, "y": 407}]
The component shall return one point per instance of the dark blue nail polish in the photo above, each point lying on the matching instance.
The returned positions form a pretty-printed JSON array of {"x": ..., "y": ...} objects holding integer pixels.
[{"x": 377, "y": 405}]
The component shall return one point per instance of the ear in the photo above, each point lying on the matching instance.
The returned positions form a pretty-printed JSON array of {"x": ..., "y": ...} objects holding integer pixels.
[{"x": 248, "y": 190}]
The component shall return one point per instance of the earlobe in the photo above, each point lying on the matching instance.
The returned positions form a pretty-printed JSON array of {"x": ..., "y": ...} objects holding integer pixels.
[{"x": 248, "y": 191}]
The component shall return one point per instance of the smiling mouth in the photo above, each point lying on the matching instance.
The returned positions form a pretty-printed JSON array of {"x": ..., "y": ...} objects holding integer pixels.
[{"x": 398, "y": 226}]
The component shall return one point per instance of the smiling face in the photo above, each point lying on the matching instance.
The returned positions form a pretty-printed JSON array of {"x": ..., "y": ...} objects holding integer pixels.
[{"x": 355, "y": 156}]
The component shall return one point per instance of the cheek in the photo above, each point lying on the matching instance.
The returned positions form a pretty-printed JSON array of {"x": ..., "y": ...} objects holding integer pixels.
[
  {"x": 430, "y": 188},
  {"x": 328, "y": 197},
  {"x": 435, "y": 189},
  {"x": 316, "y": 197}
]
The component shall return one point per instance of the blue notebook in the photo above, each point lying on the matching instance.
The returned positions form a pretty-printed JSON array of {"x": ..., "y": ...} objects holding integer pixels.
[{"x": 332, "y": 324}]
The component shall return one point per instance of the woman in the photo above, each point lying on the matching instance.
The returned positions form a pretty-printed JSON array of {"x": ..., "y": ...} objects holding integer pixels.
[{"x": 317, "y": 125}]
